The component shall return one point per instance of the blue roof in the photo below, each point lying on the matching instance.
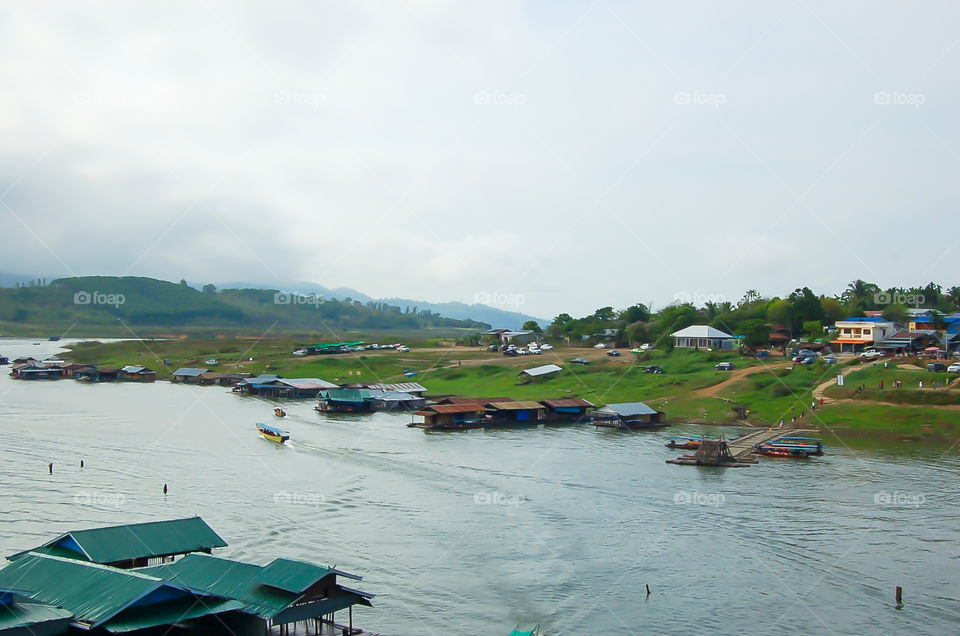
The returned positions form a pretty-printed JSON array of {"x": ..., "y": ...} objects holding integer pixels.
[
  {"x": 189, "y": 371},
  {"x": 626, "y": 409}
]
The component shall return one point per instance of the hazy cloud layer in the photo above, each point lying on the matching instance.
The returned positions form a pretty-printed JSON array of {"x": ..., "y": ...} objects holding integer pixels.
[{"x": 572, "y": 154}]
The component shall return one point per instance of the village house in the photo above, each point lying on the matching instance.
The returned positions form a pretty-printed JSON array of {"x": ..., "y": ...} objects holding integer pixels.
[
  {"x": 543, "y": 372},
  {"x": 188, "y": 375},
  {"x": 703, "y": 337},
  {"x": 857, "y": 334},
  {"x": 136, "y": 373}
]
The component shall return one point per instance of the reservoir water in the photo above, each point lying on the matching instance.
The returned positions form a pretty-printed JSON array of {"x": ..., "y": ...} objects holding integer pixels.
[{"x": 472, "y": 533}]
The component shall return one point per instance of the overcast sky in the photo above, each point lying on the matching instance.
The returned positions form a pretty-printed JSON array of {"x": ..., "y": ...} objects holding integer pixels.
[{"x": 544, "y": 156}]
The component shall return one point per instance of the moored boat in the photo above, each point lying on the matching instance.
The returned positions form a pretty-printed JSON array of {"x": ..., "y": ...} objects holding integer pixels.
[
  {"x": 279, "y": 412},
  {"x": 273, "y": 433}
]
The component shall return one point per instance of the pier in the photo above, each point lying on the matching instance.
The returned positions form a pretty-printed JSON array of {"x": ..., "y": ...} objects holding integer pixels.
[
  {"x": 742, "y": 447},
  {"x": 736, "y": 453}
]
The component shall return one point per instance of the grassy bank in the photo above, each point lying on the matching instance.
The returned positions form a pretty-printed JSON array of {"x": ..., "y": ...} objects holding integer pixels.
[{"x": 691, "y": 389}]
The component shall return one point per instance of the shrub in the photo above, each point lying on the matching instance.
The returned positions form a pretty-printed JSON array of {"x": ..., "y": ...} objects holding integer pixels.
[{"x": 780, "y": 390}]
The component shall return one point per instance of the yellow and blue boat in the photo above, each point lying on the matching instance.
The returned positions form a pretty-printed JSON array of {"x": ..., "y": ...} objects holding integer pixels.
[{"x": 272, "y": 433}]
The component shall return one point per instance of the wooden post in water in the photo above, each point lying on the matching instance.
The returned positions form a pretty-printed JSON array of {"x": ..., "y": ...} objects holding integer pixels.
[
  {"x": 899, "y": 595},
  {"x": 647, "y": 585},
  {"x": 51, "y": 468}
]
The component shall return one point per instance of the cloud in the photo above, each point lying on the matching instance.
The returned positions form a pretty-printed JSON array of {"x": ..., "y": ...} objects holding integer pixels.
[{"x": 577, "y": 155}]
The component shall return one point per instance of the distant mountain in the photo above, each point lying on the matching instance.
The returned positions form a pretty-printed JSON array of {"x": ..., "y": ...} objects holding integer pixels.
[
  {"x": 131, "y": 300},
  {"x": 454, "y": 310},
  {"x": 457, "y": 310},
  {"x": 484, "y": 313}
]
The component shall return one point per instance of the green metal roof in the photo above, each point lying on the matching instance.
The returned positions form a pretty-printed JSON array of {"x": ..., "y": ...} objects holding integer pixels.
[
  {"x": 168, "y": 613},
  {"x": 223, "y": 577},
  {"x": 347, "y": 395},
  {"x": 28, "y": 614},
  {"x": 291, "y": 576},
  {"x": 121, "y": 543},
  {"x": 93, "y": 593}
]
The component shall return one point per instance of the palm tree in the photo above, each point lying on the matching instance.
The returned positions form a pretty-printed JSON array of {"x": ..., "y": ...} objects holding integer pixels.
[{"x": 858, "y": 290}]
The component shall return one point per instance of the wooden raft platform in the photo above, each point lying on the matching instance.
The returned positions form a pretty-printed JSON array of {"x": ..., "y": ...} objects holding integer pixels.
[
  {"x": 735, "y": 454},
  {"x": 743, "y": 446}
]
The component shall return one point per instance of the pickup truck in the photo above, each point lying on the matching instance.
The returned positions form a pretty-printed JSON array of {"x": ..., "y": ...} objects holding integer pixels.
[{"x": 871, "y": 354}]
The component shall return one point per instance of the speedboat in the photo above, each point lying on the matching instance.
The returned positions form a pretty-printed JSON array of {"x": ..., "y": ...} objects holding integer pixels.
[{"x": 273, "y": 433}]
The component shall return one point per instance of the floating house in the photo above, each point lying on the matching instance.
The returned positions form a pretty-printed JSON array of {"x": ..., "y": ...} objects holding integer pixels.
[
  {"x": 275, "y": 386},
  {"x": 567, "y": 409},
  {"x": 30, "y": 372},
  {"x": 188, "y": 375},
  {"x": 628, "y": 415},
  {"x": 515, "y": 412},
  {"x": 133, "y": 545},
  {"x": 412, "y": 388},
  {"x": 135, "y": 373},
  {"x": 20, "y": 616},
  {"x": 367, "y": 400},
  {"x": 60, "y": 587},
  {"x": 542, "y": 372},
  {"x": 346, "y": 400},
  {"x": 71, "y": 370},
  {"x": 450, "y": 416}
]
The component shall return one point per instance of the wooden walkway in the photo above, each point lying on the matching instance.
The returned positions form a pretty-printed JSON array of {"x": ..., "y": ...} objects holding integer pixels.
[{"x": 743, "y": 446}]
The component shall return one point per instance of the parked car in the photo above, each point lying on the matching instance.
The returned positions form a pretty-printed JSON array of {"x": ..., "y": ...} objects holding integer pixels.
[
  {"x": 493, "y": 348},
  {"x": 936, "y": 366},
  {"x": 871, "y": 354},
  {"x": 546, "y": 346},
  {"x": 535, "y": 351},
  {"x": 809, "y": 360},
  {"x": 724, "y": 366},
  {"x": 653, "y": 368},
  {"x": 646, "y": 347},
  {"x": 954, "y": 368},
  {"x": 613, "y": 353},
  {"x": 403, "y": 349},
  {"x": 579, "y": 361},
  {"x": 601, "y": 345},
  {"x": 300, "y": 353},
  {"x": 523, "y": 351},
  {"x": 830, "y": 359},
  {"x": 510, "y": 352}
]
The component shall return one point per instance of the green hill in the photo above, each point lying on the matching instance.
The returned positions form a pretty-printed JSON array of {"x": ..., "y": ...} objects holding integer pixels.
[{"x": 108, "y": 304}]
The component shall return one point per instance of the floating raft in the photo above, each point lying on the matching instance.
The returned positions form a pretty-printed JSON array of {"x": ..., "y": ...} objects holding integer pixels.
[{"x": 712, "y": 452}]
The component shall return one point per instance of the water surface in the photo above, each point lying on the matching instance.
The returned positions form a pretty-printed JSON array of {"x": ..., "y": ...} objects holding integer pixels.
[{"x": 471, "y": 533}]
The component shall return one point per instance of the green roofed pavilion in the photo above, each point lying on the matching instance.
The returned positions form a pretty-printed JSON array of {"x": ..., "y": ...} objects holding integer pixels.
[
  {"x": 134, "y": 544},
  {"x": 96, "y": 593}
]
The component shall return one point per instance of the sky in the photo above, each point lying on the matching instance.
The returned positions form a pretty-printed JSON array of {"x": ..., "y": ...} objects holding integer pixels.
[{"x": 543, "y": 157}]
